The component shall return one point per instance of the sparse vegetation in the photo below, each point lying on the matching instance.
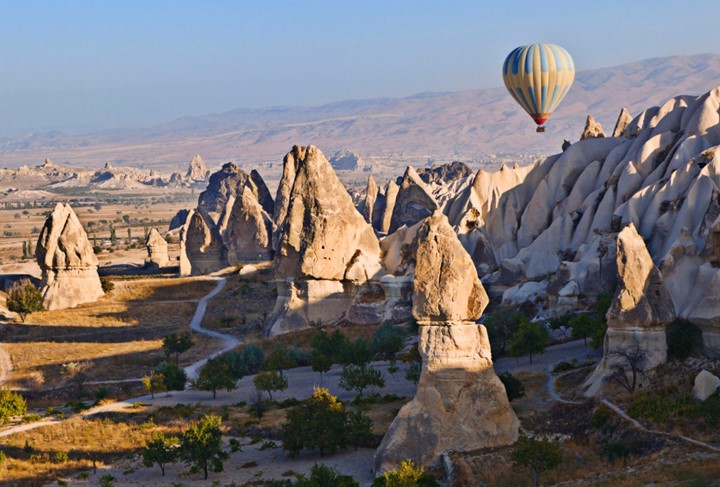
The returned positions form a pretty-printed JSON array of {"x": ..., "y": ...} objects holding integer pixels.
[
  {"x": 529, "y": 339},
  {"x": 270, "y": 380},
  {"x": 513, "y": 386},
  {"x": 406, "y": 475},
  {"x": 537, "y": 455},
  {"x": 175, "y": 345},
  {"x": 361, "y": 377},
  {"x": 11, "y": 404}
]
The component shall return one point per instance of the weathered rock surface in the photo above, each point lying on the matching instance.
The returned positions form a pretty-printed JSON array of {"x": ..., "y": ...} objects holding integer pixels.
[
  {"x": 593, "y": 129},
  {"x": 67, "y": 261},
  {"x": 623, "y": 120},
  {"x": 202, "y": 245},
  {"x": 371, "y": 195},
  {"x": 249, "y": 230},
  {"x": 447, "y": 287},
  {"x": 197, "y": 171},
  {"x": 413, "y": 202},
  {"x": 157, "y": 250},
  {"x": 640, "y": 311},
  {"x": 323, "y": 235},
  {"x": 382, "y": 213},
  {"x": 705, "y": 385},
  {"x": 444, "y": 173},
  {"x": 224, "y": 183},
  {"x": 178, "y": 220},
  {"x": 460, "y": 403}
]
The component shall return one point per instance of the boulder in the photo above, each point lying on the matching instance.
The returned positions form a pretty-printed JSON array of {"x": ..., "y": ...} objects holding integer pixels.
[
  {"x": 413, "y": 202},
  {"x": 248, "y": 234},
  {"x": 593, "y": 129},
  {"x": 157, "y": 250},
  {"x": 460, "y": 402},
  {"x": 323, "y": 235},
  {"x": 197, "y": 171},
  {"x": 705, "y": 385},
  {"x": 67, "y": 261}
]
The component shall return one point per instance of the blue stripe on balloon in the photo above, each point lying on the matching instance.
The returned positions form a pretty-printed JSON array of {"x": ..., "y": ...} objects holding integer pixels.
[
  {"x": 568, "y": 59},
  {"x": 543, "y": 60},
  {"x": 556, "y": 90},
  {"x": 559, "y": 60},
  {"x": 544, "y": 102},
  {"x": 516, "y": 60},
  {"x": 529, "y": 59},
  {"x": 533, "y": 98},
  {"x": 523, "y": 101}
]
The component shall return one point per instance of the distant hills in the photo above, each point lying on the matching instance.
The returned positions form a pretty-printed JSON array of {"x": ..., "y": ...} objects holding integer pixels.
[{"x": 467, "y": 125}]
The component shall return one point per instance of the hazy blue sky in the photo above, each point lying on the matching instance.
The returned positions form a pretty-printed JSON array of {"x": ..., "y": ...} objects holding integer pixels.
[{"x": 85, "y": 66}]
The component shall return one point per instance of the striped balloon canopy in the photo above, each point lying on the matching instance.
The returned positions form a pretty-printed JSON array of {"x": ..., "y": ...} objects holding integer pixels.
[{"x": 538, "y": 77}]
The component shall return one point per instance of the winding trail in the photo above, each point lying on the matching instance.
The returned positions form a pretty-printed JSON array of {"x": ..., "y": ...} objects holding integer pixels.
[{"x": 229, "y": 342}]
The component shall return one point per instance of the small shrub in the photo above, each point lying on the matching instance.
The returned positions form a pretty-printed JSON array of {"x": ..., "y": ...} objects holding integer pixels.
[
  {"x": 106, "y": 284},
  {"x": 683, "y": 338},
  {"x": 61, "y": 457},
  {"x": 616, "y": 450},
  {"x": 107, "y": 480},
  {"x": 514, "y": 388},
  {"x": 564, "y": 366},
  {"x": 11, "y": 404},
  {"x": 407, "y": 475},
  {"x": 537, "y": 455},
  {"x": 600, "y": 418},
  {"x": 321, "y": 475},
  {"x": 24, "y": 298}
]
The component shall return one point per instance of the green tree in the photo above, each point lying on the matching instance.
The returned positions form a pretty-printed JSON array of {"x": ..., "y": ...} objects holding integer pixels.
[
  {"x": 332, "y": 345},
  {"x": 584, "y": 325},
  {"x": 160, "y": 450},
  {"x": 320, "y": 363},
  {"x": 360, "y": 377},
  {"x": 529, "y": 339},
  {"x": 154, "y": 382},
  {"x": 359, "y": 427},
  {"x": 216, "y": 375},
  {"x": 201, "y": 445},
  {"x": 24, "y": 298},
  {"x": 356, "y": 353},
  {"x": 537, "y": 455},
  {"x": 280, "y": 359},
  {"x": 174, "y": 377},
  {"x": 176, "y": 345},
  {"x": 11, "y": 404},
  {"x": 501, "y": 325},
  {"x": 387, "y": 341},
  {"x": 323, "y": 476},
  {"x": 414, "y": 359},
  {"x": 270, "y": 380},
  {"x": 319, "y": 422}
]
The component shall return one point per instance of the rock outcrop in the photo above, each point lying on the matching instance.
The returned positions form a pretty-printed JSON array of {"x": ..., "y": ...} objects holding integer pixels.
[
  {"x": 414, "y": 201},
  {"x": 444, "y": 173},
  {"x": 222, "y": 184},
  {"x": 157, "y": 250},
  {"x": 326, "y": 251},
  {"x": 640, "y": 311},
  {"x": 249, "y": 230},
  {"x": 623, "y": 120},
  {"x": 68, "y": 263},
  {"x": 201, "y": 247},
  {"x": 345, "y": 160},
  {"x": 197, "y": 171},
  {"x": 593, "y": 129},
  {"x": 371, "y": 196},
  {"x": 460, "y": 402}
]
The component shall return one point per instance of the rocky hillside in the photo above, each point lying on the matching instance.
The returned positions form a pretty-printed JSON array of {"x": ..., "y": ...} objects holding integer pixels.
[{"x": 468, "y": 125}]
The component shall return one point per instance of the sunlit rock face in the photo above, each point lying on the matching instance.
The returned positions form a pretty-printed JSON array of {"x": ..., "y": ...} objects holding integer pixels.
[
  {"x": 460, "y": 403},
  {"x": 67, "y": 260}
]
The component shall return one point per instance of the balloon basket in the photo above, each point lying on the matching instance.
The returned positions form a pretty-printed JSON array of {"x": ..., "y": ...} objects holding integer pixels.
[{"x": 540, "y": 129}]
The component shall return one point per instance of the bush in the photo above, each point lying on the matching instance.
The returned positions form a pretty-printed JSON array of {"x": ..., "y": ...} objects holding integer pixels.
[
  {"x": 565, "y": 366},
  {"x": 331, "y": 345},
  {"x": 356, "y": 353},
  {"x": 387, "y": 341},
  {"x": 513, "y": 387},
  {"x": 175, "y": 378},
  {"x": 247, "y": 361},
  {"x": 24, "y": 298},
  {"x": 280, "y": 359},
  {"x": 557, "y": 322},
  {"x": 11, "y": 404},
  {"x": 616, "y": 450},
  {"x": 683, "y": 338},
  {"x": 407, "y": 475},
  {"x": 106, "y": 284},
  {"x": 323, "y": 476},
  {"x": 600, "y": 417}
]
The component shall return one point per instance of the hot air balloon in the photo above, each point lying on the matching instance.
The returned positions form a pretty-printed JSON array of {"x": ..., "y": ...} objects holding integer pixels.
[{"x": 538, "y": 77}]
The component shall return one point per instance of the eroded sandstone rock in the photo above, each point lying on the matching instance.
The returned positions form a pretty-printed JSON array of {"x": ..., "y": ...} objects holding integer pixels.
[
  {"x": 248, "y": 233},
  {"x": 68, "y": 263},
  {"x": 593, "y": 129},
  {"x": 157, "y": 250}
]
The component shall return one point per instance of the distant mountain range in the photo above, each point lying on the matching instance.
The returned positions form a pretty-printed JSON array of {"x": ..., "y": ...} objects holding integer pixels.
[{"x": 468, "y": 125}]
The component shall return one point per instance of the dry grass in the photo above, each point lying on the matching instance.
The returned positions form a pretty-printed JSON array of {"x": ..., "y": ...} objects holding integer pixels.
[{"x": 121, "y": 333}]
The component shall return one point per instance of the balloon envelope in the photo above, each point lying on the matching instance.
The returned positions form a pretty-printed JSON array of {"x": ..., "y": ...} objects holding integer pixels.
[{"x": 538, "y": 77}]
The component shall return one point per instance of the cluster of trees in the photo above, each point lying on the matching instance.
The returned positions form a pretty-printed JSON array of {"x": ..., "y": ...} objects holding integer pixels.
[
  {"x": 513, "y": 332},
  {"x": 199, "y": 446}
]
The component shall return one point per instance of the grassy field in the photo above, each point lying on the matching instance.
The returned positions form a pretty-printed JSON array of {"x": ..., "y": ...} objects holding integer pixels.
[{"x": 121, "y": 334}]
